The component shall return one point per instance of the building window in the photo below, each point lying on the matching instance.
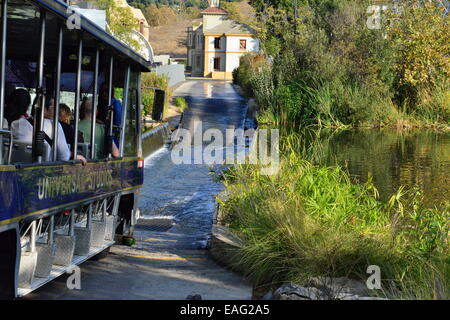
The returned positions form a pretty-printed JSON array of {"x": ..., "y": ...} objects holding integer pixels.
[
  {"x": 197, "y": 62},
  {"x": 216, "y": 64},
  {"x": 216, "y": 43},
  {"x": 242, "y": 44}
]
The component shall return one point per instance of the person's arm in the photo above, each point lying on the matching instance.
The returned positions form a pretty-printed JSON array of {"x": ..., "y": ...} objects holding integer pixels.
[{"x": 115, "y": 150}]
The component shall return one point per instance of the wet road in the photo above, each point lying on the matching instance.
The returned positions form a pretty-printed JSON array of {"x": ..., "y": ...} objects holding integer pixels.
[
  {"x": 184, "y": 193},
  {"x": 177, "y": 206}
]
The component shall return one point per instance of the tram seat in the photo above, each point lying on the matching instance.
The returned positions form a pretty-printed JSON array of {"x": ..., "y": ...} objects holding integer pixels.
[{"x": 22, "y": 152}]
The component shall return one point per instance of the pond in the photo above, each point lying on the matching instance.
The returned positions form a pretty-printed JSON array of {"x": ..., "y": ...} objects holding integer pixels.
[{"x": 393, "y": 158}]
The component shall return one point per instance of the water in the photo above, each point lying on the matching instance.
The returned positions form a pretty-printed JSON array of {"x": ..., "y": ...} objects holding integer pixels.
[
  {"x": 394, "y": 158},
  {"x": 185, "y": 193}
]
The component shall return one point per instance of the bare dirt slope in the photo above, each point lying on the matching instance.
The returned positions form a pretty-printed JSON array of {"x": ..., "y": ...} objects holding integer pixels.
[{"x": 171, "y": 39}]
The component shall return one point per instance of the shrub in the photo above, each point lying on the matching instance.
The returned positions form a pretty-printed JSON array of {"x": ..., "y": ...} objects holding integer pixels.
[
  {"x": 181, "y": 103},
  {"x": 151, "y": 79}
]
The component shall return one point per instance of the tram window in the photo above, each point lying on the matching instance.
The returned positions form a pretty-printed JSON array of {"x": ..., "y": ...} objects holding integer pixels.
[
  {"x": 21, "y": 73},
  {"x": 130, "y": 145}
]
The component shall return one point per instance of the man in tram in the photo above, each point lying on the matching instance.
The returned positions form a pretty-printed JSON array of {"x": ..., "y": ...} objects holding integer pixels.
[
  {"x": 103, "y": 109},
  {"x": 100, "y": 130}
]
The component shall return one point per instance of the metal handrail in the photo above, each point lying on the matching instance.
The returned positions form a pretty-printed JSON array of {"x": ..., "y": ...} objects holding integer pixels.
[{"x": 8, "y": 132}]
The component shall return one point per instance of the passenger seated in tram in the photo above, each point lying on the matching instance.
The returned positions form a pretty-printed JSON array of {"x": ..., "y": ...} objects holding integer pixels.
[
  {"x": 65, "y": 119},
  {"x": 22, "y": 127},
  {"x": 49, "y": 114},
  {"x": 100, "y": 131},
  {"x": 16, "y": 109},
  {"x": 103, "y": 110}
]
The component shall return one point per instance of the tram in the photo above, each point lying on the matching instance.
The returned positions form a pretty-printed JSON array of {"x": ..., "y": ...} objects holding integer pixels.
[{"x": 57, "y": 212}]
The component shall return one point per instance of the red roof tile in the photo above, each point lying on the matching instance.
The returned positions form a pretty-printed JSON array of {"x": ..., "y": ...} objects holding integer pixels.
[{"x": 214, "y": 10}]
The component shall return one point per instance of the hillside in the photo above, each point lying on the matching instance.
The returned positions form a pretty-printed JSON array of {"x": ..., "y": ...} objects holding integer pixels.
[
  {"x": 168, "y": 29},
  {"x": 170, "y": 39}
]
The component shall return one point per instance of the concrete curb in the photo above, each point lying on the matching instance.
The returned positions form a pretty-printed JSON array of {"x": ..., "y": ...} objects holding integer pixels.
[
  {"x": 225, "y": 248},
  {"x": 155, "y": 139}
]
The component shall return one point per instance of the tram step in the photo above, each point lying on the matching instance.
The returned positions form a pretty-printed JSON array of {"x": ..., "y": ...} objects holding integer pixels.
[
  {"x": 98, "y": 233},
  {"x": 27, "y": 267},
  {"x": 45, "y": 257},
  {"x": 65, "y": 246},
  {"x": 83, "y": 241},
  {"x": 110, "y": 230}
]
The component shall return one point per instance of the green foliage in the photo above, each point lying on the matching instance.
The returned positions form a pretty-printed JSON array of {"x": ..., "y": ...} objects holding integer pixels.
[
  {"x": 121, "y": 21},
  {"x": 151, "y": 79},
  {"x": 181, "y": 103},
  {"x": 345, "y": 74},
  {"x": 308, "y": 221},
  {"x": 325, "y": 67},
  {"x": 421, "y": 34}
]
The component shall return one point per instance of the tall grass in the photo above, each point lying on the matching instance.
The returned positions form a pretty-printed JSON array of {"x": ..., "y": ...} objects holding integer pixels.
[{"x": 309, "y": 221}]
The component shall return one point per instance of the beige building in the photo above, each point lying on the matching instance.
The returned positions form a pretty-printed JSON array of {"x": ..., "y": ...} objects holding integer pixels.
[{"x": 215, "y": 46}]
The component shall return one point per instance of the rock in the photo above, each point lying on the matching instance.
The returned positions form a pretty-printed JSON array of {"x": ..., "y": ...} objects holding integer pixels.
[
  {"x": 339, "y": 288},
  {"x": 323, "y": 288},
  {"x": 291, "y": 291},
  {"x": 194, "y": 297}
]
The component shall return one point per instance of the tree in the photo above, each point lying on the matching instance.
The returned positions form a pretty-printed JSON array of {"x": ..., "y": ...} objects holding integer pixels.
[
  {"x": 421, "y": 33},
  {"x": 159, "y": 16},
  {"x": 121, "y": 21}
]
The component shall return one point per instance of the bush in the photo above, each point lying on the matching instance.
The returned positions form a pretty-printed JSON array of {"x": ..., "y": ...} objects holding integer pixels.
[
  {"x": 422, "y": 38},
  {"x": 181, "y": 103},
  {"x": 249, "y": 64},
  {"x": 151, "y": 79}
]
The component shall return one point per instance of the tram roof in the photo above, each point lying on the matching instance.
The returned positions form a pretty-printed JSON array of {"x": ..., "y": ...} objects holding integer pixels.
[{"x": 60, "y": 8}]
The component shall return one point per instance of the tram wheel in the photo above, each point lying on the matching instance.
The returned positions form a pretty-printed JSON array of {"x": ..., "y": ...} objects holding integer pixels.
[{"x": 8, "y": 252}]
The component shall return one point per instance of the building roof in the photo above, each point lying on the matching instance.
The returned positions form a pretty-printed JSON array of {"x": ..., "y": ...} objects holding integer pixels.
[
  {"x": 230, "y": 27},
  {"x": 214, "y": 10}
]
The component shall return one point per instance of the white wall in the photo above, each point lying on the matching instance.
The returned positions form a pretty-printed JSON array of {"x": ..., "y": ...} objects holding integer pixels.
[
  {"x": 234, "y": 52},
  {"x": 163, "y": 58},
  {"x": 233, "y": 61},
  {"x": 211, "y": 57},
  {"x": 233, "y": 44}
]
